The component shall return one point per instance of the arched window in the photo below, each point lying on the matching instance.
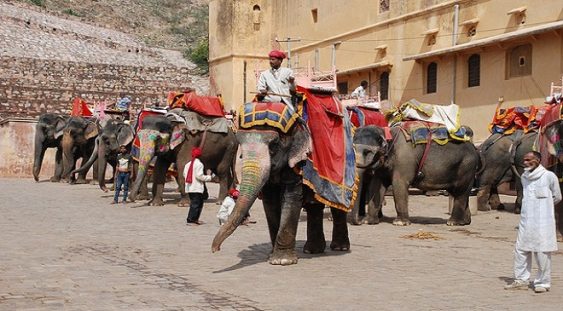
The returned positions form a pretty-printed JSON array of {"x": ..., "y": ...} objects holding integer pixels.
[
  {"x": 384, "y": 85},
  {"x": 256, "y": 16},
  {"x": 431, "y": 77},
  {"x": 519, "y": 61},
  {"x": 474, "y": 70}
]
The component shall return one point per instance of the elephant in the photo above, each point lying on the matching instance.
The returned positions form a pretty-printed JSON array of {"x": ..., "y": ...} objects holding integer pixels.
[
  {"x": 114, "y": 134},
  {"x": 78, "y": 141},
  {"x": 48, "y": 134},
  {"x": 171, "y": 142},
  {"x": 503, "y": 155},
  {"x": 450, "y": 167},
  {"x": 269, "y": 160}
]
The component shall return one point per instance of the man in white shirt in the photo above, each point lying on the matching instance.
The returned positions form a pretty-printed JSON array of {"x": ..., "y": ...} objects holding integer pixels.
[
  {"x": 276, "y": 81},
  {"x": 360, "y": 91},
  {"x": 536, "y": 231},
  {"x": 195, "y": 184}
]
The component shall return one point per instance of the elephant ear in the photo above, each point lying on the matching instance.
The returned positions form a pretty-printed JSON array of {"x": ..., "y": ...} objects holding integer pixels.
[
  {"x": 301, "y": 145},
  {"x": 178, "y": 135},
  {"x": 91, "y": 130},
  {"x": 125, "y": 135},
  {"x": 60, "y": 127}
]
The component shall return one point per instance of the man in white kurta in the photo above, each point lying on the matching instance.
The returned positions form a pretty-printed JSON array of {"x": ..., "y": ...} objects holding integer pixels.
[
  {"x": 536, "y": 231},
  {"x": 276, "y": 81}
]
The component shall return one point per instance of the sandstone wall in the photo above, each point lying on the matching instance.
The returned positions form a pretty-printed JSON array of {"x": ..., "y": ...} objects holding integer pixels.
[{"x": 45, "y": 61}]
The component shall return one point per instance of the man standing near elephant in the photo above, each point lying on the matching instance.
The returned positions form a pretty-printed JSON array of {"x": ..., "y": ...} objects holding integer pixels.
[
  {"x": 124, "y": 164},
  {"x": 278, "y": 83},
  {"x": 536, "y": 231},
  {"x": 195, "y": 184}
]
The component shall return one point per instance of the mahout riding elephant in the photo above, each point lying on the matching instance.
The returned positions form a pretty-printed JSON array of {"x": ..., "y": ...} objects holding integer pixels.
[
  {"x": 48, "y": 134},
  {"x": 114, "y": 134},
  {"x": 171, "y": 142},
  {"x": 269, "y": 162},
  {"x": 450, "y": 167},
  {"x": 78, "y": 141}
]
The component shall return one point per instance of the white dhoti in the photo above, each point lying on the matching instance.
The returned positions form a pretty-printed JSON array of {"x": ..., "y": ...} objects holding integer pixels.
[{"x": 523, "y": 267}]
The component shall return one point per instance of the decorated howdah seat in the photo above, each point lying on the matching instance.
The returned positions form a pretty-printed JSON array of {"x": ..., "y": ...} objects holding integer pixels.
[
  {"x": 329, "y": 170},
  {"x": 420, "y": 122}
]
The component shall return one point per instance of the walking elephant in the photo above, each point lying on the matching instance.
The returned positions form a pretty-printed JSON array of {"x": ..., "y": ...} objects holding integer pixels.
[
  {"x": 114, "y": 134},
  {"x": 78, "y": 141},
  {"x": 450, "y": 167},
  {"x": 171, "y": 142},
  {"x": 269, "y": 160},
  {"x": 48, "y": 134}
]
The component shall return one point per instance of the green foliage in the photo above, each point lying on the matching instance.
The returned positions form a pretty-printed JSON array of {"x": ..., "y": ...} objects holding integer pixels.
[
  {"x": 199, "y": 55},
  {"x": 72, "y": 12},
  {"x": 40, "y": 3}
]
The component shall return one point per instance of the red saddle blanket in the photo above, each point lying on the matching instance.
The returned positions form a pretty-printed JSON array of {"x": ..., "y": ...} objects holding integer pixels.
[
  {"x": 80, "y": 108},
  {"x": 361, "y": 116},
  {"x": 210, "y": 106}
]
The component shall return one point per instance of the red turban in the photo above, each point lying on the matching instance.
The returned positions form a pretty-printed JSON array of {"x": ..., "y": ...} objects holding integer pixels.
[
  {"x": 277, "y": 54},
  {"x": 196, "y": 153},
  {"x": 234, "y": 193}
]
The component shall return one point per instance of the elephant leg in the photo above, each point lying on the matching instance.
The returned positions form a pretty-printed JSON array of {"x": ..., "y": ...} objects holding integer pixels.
[
  {"x": 559, "y": 221},
  {"x": 340, "y": 239},
  {"x": 82, "y": 175},
  {"x": 483, "y": 198},
  {"x": 284, "y": 249},
  {"x": 159, "y": 179},
  {"x": 494, "y": 200},
  {"x": 271, "y": 200},
  {"x": 144, "y": 190},
  {"x": 95, "y": 168},
  {"x": 375, "y": 202},
  {"x": 519, "y": 193},
  {"x": 38, "y": 160},
  {"x": 316, "y": 242},
  {"x": 58, "y": 166},
  {"x": 401, "y": 198},
  {"x": 181, "y": 180},
  {"x": 461, "y": 214}
]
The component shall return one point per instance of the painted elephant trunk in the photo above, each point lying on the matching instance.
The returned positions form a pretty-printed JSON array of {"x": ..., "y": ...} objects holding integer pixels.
[
  {"x": 147, "y": 153},
  {"x": 255, "y": 173},
  {"x": 86, "y": 166}
]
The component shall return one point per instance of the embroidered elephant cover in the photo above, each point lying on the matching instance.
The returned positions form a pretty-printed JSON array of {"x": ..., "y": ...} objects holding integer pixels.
[
  {"x": 330, "y": 170},
  {"x": 80, "y": 108},
  {"x": 277, "y": 115}
]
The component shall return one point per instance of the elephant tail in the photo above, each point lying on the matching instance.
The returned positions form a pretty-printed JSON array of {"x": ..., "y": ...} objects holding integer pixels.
[
  {"x": 234, "y": 166},
  {"x": 481, "y": 165}
]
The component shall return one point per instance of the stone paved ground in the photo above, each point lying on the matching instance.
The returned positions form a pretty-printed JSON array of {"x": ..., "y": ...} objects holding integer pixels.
[{"x": 64, "y": 247}]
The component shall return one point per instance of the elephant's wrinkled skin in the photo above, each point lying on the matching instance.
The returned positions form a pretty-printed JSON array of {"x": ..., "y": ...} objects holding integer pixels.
[
  {"x": 450, "y": 167},
  {"x": 114, "y": 134},
  {"x": 48, "y": 134},
  {"x": 268, "y": 161},
  {"x": 79, "y": 138},
  {"x": 171, "y": 143}
]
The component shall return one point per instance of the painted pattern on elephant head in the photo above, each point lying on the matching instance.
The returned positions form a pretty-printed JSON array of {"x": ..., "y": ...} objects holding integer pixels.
[{"x": 150, "y": 140}]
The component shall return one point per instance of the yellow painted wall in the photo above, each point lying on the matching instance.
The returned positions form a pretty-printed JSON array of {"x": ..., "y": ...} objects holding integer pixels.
[{"x": 359, "y": 27}]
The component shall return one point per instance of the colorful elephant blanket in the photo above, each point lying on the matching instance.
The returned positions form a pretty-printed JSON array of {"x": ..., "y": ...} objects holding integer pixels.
[
  {"x": 277, "y": 115},
  {"x": 361, "y": 116},
  {"x": 80, "y": 108},
  {"x": 419, "y": 132},
  {"x": 330, "y": 170},
  {"x": 205, "y": 105}
]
